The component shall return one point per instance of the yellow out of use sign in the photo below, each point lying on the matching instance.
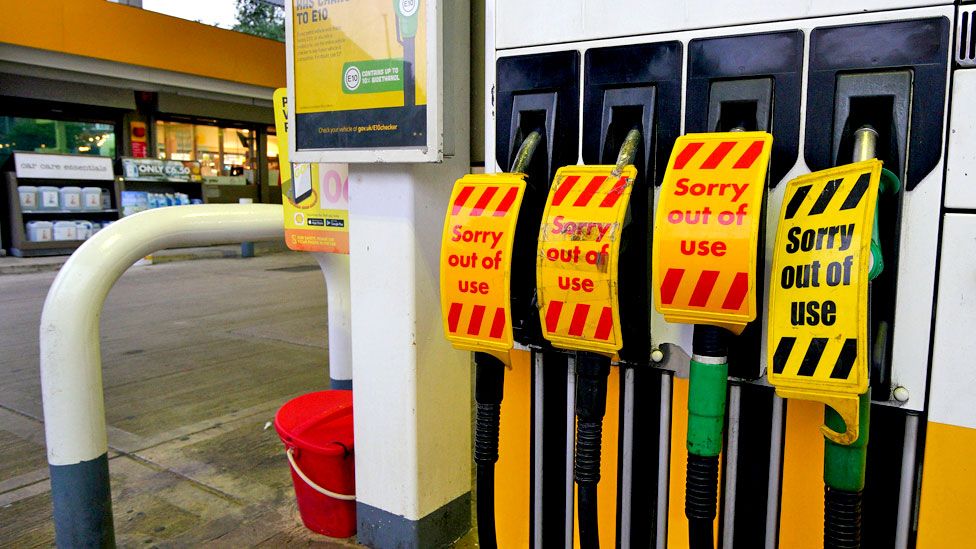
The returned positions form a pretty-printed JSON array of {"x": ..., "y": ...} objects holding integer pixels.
[
  {"x": 576, "y": 267},
  {"x": 818, "y": 302},
  {"x": 476, "y": 262},
  {"x": 706, "y": 229}
]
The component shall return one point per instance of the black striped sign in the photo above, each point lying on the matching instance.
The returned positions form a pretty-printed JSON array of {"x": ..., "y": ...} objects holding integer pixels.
[
  {"x": 851, "y": 200},
  {"x": 819, "y": 283}
]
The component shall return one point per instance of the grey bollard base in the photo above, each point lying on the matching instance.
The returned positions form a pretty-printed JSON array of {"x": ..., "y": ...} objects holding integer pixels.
[{"x": 82, "y": 504}]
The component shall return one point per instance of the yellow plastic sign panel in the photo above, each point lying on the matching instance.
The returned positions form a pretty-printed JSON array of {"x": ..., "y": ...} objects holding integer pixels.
[
  {"x": 818, "y": 300},
  {"x": 579, "y": 248},
  {"x": 315, "y": 197},
  {"x": 476, "y": 262},
  {"x": 706, "y": 230}
]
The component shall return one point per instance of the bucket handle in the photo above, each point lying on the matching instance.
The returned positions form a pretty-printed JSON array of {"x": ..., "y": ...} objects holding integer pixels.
[{"x": 291, "y": 459}]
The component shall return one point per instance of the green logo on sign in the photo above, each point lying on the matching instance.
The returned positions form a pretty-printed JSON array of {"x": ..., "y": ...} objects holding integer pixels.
[{"x": 379, "y": 75}]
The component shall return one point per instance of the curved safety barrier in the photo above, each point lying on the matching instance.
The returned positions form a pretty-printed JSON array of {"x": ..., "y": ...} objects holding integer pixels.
[{"x": 71, "y": 366}]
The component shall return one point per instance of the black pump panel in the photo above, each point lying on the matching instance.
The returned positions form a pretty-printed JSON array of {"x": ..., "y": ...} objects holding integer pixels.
[
  {"x": 633, "y": 87},
  {"x": 745, "y": 104},
  {"x": 623, "y": 110},
  {"x": 881, "y": 100},
  {"x": 532, "y": 111},
  {"x": 751, "y": 78},
  {"x": 642, "y": 84},
  {"x": 883, "y": 52},
  {"x": 538, "y": 90},
  {"x": 535, "y": 93}
]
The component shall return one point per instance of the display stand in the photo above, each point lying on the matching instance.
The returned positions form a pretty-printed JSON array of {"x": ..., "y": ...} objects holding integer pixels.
[
  {"x": 150, "y": 175},
  {"x": 54, "y": 170}
]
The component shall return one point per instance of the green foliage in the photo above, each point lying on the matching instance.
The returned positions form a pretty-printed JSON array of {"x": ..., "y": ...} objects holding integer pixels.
[{"x": 260, "y": 19}]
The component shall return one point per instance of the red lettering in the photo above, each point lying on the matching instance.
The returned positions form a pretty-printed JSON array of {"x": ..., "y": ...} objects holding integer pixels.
[
  {"x": 702, "y": 247},
  {"x": 473, "y": 287},
  {"x": 575, "y": 284}
]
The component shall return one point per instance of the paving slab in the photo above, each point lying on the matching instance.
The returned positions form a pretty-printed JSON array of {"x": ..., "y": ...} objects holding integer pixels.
[{"x": 197, "y": 357}]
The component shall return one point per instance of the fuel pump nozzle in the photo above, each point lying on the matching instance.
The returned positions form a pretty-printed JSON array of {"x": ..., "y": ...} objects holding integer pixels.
[
  {"x": 708, "y": 385},
  {"x": 524, "y": 155},
  {"x": 592, "y": 371},
  {"x": 489, "y": 391},
  {"x": 845, "y": 465}
]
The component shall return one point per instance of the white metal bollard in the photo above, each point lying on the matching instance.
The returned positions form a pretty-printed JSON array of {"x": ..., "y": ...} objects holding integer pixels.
[{"x": 71, "y": 368}]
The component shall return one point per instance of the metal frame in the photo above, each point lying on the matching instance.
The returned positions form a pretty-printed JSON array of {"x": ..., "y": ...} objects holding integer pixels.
[
  {"x": 435, "y": 149},
  {"x": 71, "y": 362}
]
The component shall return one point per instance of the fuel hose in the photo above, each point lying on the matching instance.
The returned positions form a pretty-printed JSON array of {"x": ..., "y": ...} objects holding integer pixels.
[
  {"x": 488, "y": 392},
  {"x": 592, "y": 371},
  {"x": 706, "y": 415},
  {"x": 489, "y": 388}
]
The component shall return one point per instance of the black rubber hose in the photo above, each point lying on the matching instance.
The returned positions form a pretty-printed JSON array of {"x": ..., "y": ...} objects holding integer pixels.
[
  {"x": 488, "y": 391},
  {"x": 842, "y": 519},
  {"x": 700, "y": 534},
  {"x": 701, "y": 495},
  {"x": 592, "y": 371}
]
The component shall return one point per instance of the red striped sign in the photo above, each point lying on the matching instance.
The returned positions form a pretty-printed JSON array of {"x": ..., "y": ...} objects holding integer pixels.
[
  {"x": 476, "y": 262},
  {"x": 476, "y": 204},
  {"x": 577, "y": 263},
  {"x": 713, "y": 155},
  {"x": 471, "y": 321},
  {"x": 575, "y": 323},
  {"x": 608, "y": 189},
  {"x": 704, "y": 287},
  {"x": 706, "y": 229}
]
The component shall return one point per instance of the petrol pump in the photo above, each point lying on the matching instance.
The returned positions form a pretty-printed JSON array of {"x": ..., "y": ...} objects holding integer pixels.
[
  {"x": 488, "y": 292},
  {"x": 631, "y": 99},
  {"x": 812, "y": 75},
  {"x": 626, "y": 89},
  {"x": 827, "y": 252}
]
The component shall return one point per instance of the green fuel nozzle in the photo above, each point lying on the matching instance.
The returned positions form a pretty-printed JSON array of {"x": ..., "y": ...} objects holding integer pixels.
[
  {"x": 865, "y": 147},
  {"x": 845, "y": 465},
  {"x": 706, "y": 417}
]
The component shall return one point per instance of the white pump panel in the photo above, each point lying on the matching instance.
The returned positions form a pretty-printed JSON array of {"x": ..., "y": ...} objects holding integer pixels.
[
  {"x": 557, "y": 21},
  {"x": 961, "y": 156}
]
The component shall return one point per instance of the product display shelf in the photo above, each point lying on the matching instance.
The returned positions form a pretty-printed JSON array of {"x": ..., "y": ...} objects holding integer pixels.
[
  {"x": 193, "y": 189},
  {"x": 16, "y": 218}
]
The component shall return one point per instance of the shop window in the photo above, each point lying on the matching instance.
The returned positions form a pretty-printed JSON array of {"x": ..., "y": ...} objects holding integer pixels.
[
  {"x": 208, "y": 149},
  {"x": 221, "y": 151},
  {"x": 274, "y": 171},
  {"x": 175, "y": 141},
  {"x": 55, "y": 136}
]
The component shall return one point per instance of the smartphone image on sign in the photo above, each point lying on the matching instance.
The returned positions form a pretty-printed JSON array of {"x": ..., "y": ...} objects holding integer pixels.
[{"x": 301, "y": 185}]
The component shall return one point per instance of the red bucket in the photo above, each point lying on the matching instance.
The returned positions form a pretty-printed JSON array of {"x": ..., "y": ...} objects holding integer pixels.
[{"x": 317, "y": 431}]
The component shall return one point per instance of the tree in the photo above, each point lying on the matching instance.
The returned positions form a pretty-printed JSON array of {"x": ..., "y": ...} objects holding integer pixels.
[{"x": 260, "y": 18}]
